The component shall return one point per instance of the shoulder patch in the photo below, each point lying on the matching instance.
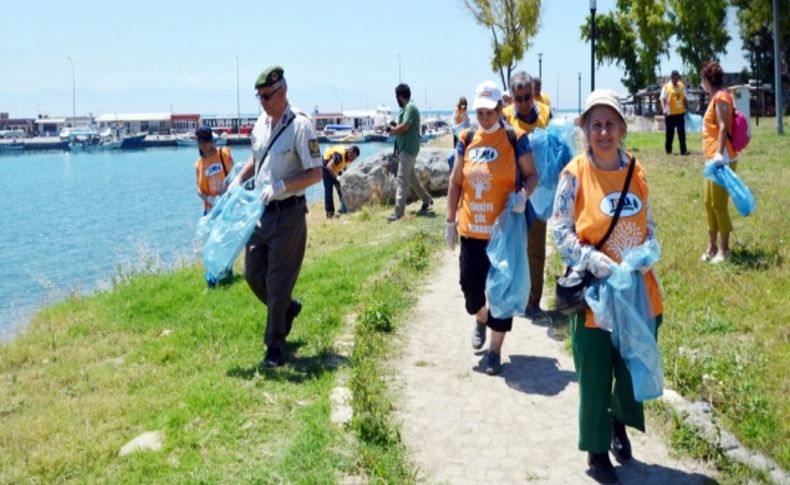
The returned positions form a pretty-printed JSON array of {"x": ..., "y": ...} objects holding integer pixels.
[{"x": 315, "y": 148}]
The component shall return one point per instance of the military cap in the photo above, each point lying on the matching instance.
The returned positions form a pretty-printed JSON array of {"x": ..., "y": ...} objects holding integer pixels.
[{"x": 269, "y": 76}]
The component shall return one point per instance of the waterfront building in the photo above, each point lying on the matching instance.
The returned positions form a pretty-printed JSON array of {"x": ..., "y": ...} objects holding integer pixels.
[{"x": 153, "y": 123}]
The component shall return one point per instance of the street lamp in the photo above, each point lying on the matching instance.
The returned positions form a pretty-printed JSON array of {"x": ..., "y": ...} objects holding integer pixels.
[
  {"x": 73, "y": 93},
  {"x": 592, "y": 46},
  {"x": 238, "y": 103},
  {"x": 580, "y": 92},
  {"x": 540, "y": 65}
]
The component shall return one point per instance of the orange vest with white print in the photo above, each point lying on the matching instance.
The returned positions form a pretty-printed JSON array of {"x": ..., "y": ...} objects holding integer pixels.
[
  {"x": 542, "y": 121},
  {"x": 211, "y": 173},
  {"x": 489, "y": 174},
  {"x": 596, "y": 201},
  {"x": 710, "y": 126}
]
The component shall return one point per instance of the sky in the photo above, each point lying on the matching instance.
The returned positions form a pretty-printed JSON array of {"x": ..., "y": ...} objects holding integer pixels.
[{"x": 182, "y": 57}]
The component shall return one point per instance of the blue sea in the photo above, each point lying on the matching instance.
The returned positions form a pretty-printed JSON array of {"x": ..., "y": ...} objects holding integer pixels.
[{"x": 73, "y": 221}]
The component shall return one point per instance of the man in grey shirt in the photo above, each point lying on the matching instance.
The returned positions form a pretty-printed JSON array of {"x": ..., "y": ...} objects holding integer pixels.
[
  {"x": 407, "y": 146},
  {"x": 285, "y": 160}
]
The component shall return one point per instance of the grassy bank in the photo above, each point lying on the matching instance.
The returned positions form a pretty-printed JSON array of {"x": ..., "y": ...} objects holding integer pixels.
[
  {"x": 725, "y": 338},
  {"x": 160, "y": 352}
]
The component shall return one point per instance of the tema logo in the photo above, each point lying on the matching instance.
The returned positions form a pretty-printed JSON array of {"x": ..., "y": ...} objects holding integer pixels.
[
  {"x": 483, "y": 154},
  {"x": 213, "y": 169},
  {"x": 631, "y": 205}
]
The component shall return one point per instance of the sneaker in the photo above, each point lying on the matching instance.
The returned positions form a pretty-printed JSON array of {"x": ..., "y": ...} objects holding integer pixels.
[
  {"x": 293, "y": 311},
  {"x": 686, "y": 153},
  {"x": 426, "y": 206},
  {"x": 720, "y": 258},
  {"x": 493, "y": 364},
  {"x": 620, "y": 445},
  {"x": 393, "y": 217},
  {"x": 479, "y": 336},
  {"x": 535, "y": 314},
  {"x": 601, "y": 468},
  {"x": 706, "y": 257},
  {"x": 274, "y": 358}
]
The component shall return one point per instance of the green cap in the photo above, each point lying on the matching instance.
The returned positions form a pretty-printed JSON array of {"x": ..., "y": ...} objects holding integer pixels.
[{"x": 269, "y": 76}]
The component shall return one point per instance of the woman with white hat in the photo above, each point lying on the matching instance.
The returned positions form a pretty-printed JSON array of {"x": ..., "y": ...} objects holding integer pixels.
[
  {"x": 491, "y": 158},
  {"x": 591, "y": 237}
]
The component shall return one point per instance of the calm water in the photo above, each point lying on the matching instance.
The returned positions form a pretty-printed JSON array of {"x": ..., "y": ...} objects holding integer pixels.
[{"x": 73, "y": 219}]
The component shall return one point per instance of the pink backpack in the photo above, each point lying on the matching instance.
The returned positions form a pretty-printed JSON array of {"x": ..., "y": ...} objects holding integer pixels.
[{"x": 741, "y": 132}]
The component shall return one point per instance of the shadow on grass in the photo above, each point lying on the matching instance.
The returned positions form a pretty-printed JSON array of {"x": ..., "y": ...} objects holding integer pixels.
[
  {"x": 635, "y": 471},
  {"x": 755, "y": 258},
  {"x": 297, "y": 369}
]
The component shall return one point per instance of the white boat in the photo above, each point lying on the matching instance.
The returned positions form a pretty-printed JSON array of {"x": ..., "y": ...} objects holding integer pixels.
[
  {"x": 188, "y": 140},
  {"x": 81, "y": 138}
]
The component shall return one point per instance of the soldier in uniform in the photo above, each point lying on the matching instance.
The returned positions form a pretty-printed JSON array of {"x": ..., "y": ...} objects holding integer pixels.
[{"x": 285, "y": 160}]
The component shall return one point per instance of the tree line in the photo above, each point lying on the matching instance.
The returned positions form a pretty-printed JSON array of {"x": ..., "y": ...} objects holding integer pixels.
[{"x": 637, "y": 33}]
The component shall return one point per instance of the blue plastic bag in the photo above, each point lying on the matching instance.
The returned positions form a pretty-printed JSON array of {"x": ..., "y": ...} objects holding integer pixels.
[
  {"x": 229, "y": 226},
  {"x": 507, "y": 283},
  {"x": 693, "y": 123},
  {"x": 552, "y": 149},
  {"x": 622, "y": 306},
  {"x": 742, "y": 197}
]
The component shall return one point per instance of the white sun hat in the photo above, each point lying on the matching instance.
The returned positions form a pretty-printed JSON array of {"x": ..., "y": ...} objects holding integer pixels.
[{"x": 487, "y": 95}]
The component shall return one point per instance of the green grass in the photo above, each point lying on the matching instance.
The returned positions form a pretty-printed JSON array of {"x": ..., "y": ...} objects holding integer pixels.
[
  {"x": 91, "y": 373},
  {"x": 725, "y": 334}
]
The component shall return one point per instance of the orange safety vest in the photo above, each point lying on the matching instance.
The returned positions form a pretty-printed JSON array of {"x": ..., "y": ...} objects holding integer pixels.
[
  {"x": 595, "y": 204},
  {"x": 329, "y": 156},
  {"x": 211, "y": 173},
  {"x": 489, "y": 176},
  {"x": 710, "y": 126}
]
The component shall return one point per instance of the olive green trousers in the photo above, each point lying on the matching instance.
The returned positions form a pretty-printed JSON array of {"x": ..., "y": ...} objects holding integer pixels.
[{"x": 597, "y": 364}]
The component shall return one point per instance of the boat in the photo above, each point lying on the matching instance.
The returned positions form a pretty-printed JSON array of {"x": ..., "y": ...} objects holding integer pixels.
[
  {"x": 79, "y": 139},
  {"x": 12, "y": 146},
  {"x": 341, "y": 134},
  {"x": 115, "y": 139},
  {"x": 189, "y": 140}
]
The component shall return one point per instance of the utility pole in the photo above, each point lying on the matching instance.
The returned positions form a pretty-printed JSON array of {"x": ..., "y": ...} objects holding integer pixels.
[
  {"x": 73, "y": 93},
  {"x": 238, "y": 102},
  {"x": 592, "y": 46},
  {"x": 540, "y": 66},
  {"x": 777, "y": 73}
]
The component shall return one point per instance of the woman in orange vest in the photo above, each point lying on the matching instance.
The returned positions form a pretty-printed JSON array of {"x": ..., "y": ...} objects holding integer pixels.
[
  {"x": 479, "y": 187},
  {"x": 587, "y": 195},
  {"x": 716, "y": 145},
  {"x": 211, "y": 168},
  {"x": 335, "y": 160}
]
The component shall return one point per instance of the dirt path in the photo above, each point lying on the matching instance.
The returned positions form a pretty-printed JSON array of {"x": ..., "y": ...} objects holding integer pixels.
[{"x": 463, "y": 426}]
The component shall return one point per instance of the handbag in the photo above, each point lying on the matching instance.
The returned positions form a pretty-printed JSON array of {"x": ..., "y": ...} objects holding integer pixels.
[{"x": 569, "y": 289}]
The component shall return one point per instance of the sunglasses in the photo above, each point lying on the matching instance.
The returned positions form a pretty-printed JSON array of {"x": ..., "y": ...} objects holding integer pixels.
[
  {"x": 522, "y": 99},
  {"x": 267, "y": 96}
]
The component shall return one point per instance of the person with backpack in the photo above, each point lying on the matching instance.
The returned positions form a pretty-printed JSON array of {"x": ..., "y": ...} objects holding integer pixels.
[
  {"x": 527, "y": 114},
  {"x": 211, "y": 168},
  {"x": 593, "y": 227},
  {"x": 717, "y": 125},
  {"x": 490, "y": 158}
]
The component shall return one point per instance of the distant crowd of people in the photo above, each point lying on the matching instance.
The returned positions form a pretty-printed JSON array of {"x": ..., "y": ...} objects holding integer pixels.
[{"x": 493, "y": 159}]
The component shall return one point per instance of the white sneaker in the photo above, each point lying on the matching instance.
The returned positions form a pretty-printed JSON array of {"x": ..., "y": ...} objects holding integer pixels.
[{"x": 720, "y": 258}]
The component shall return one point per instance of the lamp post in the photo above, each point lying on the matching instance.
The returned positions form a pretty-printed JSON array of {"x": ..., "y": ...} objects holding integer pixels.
[
  {"x": 592, "y": 46},
  {"x": 580, "y": 92},
  {"x": 777, "y": 73},
  {"x": 238, "y": 102},
  {"x": 540, "y": 65},
  {"x": 73, "y": 92}
]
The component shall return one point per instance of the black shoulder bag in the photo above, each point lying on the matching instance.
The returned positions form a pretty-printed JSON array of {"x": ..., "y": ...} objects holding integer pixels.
[{"x": 570, "y": 288}]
